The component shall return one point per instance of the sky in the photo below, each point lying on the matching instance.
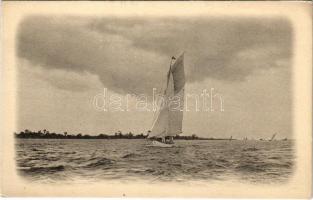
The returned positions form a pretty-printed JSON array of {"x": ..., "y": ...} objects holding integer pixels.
[{"x": 65, "y": 62}]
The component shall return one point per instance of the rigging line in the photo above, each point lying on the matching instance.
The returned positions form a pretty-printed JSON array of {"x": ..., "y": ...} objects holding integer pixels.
[{"x": 168, "y": 108}]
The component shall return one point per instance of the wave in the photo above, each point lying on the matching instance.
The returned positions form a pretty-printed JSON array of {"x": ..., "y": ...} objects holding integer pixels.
[
  {"x": 101, "y": 162},
  {"x": 222, "y": 160},
  {"x": 176, "y": 164},
  {"x": 250, "y": 168},
  {"x": 274, "y": 157},
  {"x": 31, "y": 159},
  {"x": 250, "y": 149},
  {"x": 130, "y": 155},
  {"x": 262, "y": 167},
  {"x": 150, "y": 170},
  {"x": 49, "y": 169},
  {"x": 70, "y": 152},
  {"x": 51, "y": 158},
  {"x": 215, "y": 165},
  {"x": 278, "y": 165}
]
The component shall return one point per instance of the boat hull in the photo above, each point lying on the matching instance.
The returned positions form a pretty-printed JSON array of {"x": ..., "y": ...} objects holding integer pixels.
[{"x": 160, "y": 144}]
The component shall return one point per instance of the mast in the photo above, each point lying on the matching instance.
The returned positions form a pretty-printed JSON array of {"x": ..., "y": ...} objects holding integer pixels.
[{"x": 272, "y": 138}]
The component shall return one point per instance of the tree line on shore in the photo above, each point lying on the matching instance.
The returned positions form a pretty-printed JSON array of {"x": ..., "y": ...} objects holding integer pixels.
[{"x": 45, "y": 134}]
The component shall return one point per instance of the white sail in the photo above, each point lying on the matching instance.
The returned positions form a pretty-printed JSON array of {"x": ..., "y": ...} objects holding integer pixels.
[{"x": 168, "y": 122}]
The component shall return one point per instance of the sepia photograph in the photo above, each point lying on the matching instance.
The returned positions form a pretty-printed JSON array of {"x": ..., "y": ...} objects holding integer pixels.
[{"x": 150, "y": 98}]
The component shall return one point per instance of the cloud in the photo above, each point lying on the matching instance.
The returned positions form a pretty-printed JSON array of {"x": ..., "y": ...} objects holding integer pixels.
[
  {"x": 132, "y": 54},
  {"x": 64, "y": 80}
]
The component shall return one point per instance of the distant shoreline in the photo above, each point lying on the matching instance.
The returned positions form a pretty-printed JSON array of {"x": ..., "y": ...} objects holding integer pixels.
[
  {"x": 118, "y": 135},
  {"x": 26, "y": 134},
  {"x": 121, "y": 138}
]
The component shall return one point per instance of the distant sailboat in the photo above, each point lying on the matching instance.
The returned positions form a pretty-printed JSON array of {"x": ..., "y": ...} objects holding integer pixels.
[
  {"x": 273, "y": 137},
  {"x": 231, "y": 137},
  {"x": 168, "y": 121}
]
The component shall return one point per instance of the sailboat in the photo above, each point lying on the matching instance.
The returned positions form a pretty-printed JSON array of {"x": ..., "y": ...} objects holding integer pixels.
[
  {"x": 169, "y": 117},
  {"x": 231, "y": 137},
  {"x": 272, "y": 138}
]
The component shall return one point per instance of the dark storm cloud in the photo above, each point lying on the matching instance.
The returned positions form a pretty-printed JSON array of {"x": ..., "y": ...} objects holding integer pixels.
[
  {"x": 126, "y": 54},
  {"x": 57, "y": 43},
  {"x": 211, "y": 44}
]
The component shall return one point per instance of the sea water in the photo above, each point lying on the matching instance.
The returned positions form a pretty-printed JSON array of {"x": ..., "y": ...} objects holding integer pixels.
[{"x": 252, "y": 161}]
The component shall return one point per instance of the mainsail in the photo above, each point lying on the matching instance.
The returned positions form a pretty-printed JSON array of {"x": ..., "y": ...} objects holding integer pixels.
[{"x": 168, "y": 121}]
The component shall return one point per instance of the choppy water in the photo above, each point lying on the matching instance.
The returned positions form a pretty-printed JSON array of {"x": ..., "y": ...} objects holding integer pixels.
[{"x": 53, "y": 160}]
